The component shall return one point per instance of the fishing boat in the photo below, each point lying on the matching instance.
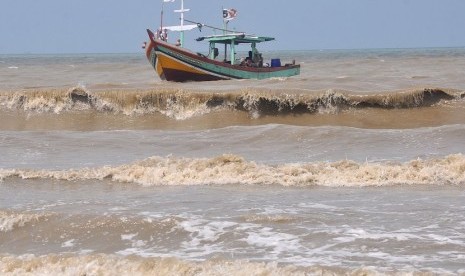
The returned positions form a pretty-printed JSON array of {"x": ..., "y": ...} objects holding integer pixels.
[{"x": 173, "y": 62}]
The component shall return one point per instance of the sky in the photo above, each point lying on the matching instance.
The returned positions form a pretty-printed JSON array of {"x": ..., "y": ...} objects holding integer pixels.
[{"x": 117, "y": 26}]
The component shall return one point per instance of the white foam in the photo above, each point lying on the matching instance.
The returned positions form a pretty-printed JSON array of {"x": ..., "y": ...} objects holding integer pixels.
[
  {"x": 101, "y": 264},
  {"x": 203, "y": 231},
  {"x": 445, "y": 240},
  {"x": 128, "y": 237},
  {"x": 68, "y": 243},
  {"x": 318, "y": 206},
  {"x": 278, "y": 242},
  {"x": 232, "y": 169},
  {"x": 10, "y": 221},
  {"x": 181, "y": 112},
  {"x": 352, "y": 234}
]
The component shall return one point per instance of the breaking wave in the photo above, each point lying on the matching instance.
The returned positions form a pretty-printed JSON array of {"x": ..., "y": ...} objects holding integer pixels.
[
  {"x": 104, "y": 264},
  {"x": 232, "y": 169},
  {"x": 180, "y": 104},
  {"x": 10, "y": 221}
]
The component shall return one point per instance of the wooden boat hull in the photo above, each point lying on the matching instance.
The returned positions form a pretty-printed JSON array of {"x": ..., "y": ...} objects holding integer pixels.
[{"x": 173, "y": 63}]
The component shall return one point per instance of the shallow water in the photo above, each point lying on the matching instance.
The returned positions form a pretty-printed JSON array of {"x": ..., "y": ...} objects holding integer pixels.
[{"x": 395, "y": 229}]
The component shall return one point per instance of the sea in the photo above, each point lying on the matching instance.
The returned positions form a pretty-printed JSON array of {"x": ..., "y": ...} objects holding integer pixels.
[{"x": 354, "y": 167}]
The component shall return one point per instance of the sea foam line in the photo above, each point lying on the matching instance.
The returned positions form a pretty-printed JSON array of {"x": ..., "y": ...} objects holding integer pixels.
[
  {"x": 233, "y": 169},
  {"x": 105, "y": 264}
]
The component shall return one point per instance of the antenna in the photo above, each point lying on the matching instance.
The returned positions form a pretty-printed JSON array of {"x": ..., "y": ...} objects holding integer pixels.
[{"x": 161, "y": 17}]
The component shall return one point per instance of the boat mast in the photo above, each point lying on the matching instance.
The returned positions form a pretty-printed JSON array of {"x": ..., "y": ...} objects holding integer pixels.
[
  {"x": 161, "y": 17},
  {"x": 229, "y": 14},
  {"x": 182, "y": 11},
  {"x": 225, "y": 29}
]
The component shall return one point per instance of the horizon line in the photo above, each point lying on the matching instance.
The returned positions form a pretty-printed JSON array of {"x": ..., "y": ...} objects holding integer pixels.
[{"x": 290, "y": 50}]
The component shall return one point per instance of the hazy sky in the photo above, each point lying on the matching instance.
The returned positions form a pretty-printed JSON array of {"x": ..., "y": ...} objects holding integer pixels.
[{"x": 114, "y": 26}]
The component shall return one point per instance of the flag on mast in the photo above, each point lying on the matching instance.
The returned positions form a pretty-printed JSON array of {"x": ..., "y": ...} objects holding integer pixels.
[{"x": 229, "y": 14}]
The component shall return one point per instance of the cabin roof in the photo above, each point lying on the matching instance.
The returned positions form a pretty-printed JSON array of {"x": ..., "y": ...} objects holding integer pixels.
[{"x": 237, "y": 38}]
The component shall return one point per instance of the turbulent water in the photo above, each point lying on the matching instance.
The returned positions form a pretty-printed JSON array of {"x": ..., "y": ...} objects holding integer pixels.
[{"x": 356, "y": 166}]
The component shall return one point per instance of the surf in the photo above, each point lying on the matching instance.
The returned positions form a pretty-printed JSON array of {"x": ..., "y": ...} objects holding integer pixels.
[
  {"x": 110, "y": 264},
  {"x": 231, "y": 169}
]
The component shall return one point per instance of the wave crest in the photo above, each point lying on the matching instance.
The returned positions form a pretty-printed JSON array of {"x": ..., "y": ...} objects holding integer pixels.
[
  {"x": 10, "y": 221},
  {"x": 181, "y": 104},
  {"x": 232, "y": 169}
]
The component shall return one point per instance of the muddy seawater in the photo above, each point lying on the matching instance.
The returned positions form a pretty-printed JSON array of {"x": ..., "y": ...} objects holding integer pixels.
[{"x": 356, "y": 167}]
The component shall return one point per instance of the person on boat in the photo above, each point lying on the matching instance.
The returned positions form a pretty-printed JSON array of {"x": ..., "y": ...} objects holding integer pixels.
[
  {"x": 163, "y": 34},
  {"x": 178, "y": 42},
  {"x": 260, "y": 60},
  {"x": 248, "y": 62},
  {"x": 256, "y": 56}
]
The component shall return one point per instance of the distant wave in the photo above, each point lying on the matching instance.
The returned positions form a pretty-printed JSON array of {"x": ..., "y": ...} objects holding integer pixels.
[
  {"x": 180, "y": 105},
  {"x": 232, "y": 169}
]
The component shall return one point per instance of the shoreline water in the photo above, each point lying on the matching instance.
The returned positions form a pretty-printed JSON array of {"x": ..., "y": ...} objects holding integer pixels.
[{"x": 267, "y": 229}]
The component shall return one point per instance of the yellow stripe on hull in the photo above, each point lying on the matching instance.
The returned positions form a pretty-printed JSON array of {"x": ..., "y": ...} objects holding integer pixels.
[
  {"x": 166, "y": 62},
  {"x": 159, "y": 68}
]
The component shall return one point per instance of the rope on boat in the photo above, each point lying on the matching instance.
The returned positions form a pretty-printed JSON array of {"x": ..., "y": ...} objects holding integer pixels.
[{"x": 201, "y": 25}]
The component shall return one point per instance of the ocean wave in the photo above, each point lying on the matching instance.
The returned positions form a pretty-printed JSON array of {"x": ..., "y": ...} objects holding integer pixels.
[
  {"x": 105, "y": 264},
  {"x": 181, "y": 104},
  {"x": 233, "y": 169},
  {"x": 10, "y": 221}
]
